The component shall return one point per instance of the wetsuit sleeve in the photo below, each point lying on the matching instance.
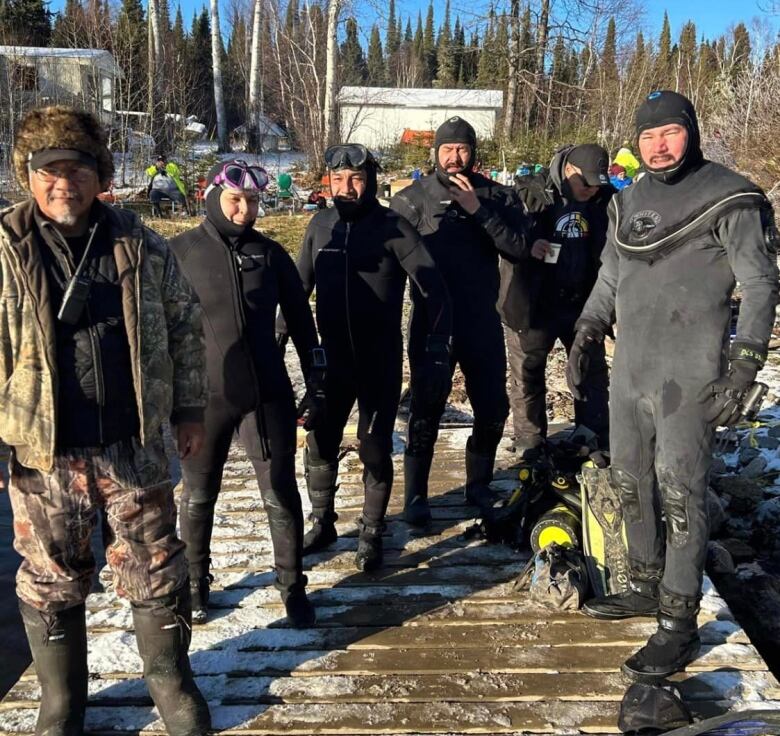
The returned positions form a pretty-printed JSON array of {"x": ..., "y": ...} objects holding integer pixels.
[
  {"x": 294, "y": 306},
  {"x": 747, "y": 237},
  {"x": 600, "y": 307},
  {"x": 402, "y": 203},
  {"x": 415, "y": 259},
  {"x": 305, "y": 267},
  {"x": 507, "y": 225}
]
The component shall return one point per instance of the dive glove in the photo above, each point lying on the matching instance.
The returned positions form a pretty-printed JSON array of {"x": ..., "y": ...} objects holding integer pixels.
[
  {"x": 312, "y": 407},
  {"x": 588, "y": 336},
  {"x": 725, "y": 396},
  {"x": 435, "y": 382}
]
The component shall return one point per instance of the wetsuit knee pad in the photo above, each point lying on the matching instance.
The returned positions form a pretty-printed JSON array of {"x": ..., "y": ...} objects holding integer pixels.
[
  {"x": 422, "y": 434},
  {"x": 486, "y": 436},
  {"x": 675, "y": 495},
  {"x": 628, "y": 488}
]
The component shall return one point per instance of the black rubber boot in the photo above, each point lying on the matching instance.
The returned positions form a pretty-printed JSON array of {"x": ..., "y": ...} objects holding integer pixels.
[
  {"x": 479, "y": 473},
  {"x": 641, "y": 599},
  {"x": 417, "y": 469},
  {"x": 200, "y": 588},
  {"x": 300, "y": 612},
  {"x": 673, "y": 646},
  {"x": 369, "y": 551},
  {"x": 162, "y": 630},
  {"x": 321, "y": 484},
  {"x": 58, "y": 642}
]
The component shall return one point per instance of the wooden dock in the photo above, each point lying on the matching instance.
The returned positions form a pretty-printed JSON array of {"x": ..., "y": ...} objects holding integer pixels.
[{"x": 437, "y": 642}]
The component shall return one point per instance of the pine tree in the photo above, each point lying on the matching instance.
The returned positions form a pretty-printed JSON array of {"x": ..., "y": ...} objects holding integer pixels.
[
  {"x": 376, "y": 60},
  {"x": 486, "y": 69},
  {"x": 130, "y": 51},
  {"x": 458, "y": 47},
  {"x": 741, "y": 49},
  {"x": 685, "y": 61},
  {"x": 446, "y": 72},
  {"x": 662, "y": 72},
  {"x": 527, "y": 50},
  {"x": 429, "y": 48},
  {"x": 69, "y": 29},
  {"x": 392, "y": 38},
  {"x": 352, "y": 61},
  {"x": 609, "y": 70},
  {"x": 25, "y": 22},
  {"x": 202, "y": 98}
]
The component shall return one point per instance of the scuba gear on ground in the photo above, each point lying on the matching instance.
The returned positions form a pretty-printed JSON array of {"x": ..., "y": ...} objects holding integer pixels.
[
  {"x": 667, "y": 108},
  {"x": 200, "y": 589},
  {"x": 369, "y": 551},
  {"x": 639, "y": 599},
  {"x": 557, "y": 577},
  {"x": 162, "y": 630},
  {"x": 58, "y": 642},
  {"x": 353, "y": 156},
  {"x": 603, "y": 531},
  {"x": 587, "y": 337},
  {"x": 759, "y": 722},
  {"x": 652, "y": 708},
  {"x": 731, "y": 395},
  {"x": 560, "y": 525}
]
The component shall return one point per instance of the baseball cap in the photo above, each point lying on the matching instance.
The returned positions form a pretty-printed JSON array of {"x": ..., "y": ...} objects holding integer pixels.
[
  {"x": 48, "y": 156},
  {"x": 593, "y": 161}
]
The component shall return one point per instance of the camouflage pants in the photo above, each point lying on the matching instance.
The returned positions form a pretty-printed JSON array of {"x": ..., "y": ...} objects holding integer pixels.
[{"x": 55, "y": 514}]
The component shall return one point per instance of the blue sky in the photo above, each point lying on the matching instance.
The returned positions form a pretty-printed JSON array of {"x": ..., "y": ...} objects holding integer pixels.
[{"x": 712, "y": 17}]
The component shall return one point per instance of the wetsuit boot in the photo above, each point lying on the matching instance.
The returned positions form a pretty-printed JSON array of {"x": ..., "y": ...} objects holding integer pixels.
[
  {"x": 200, "y": 590},
  {"x": 196, "y": 519},
  {"x": 321, "y": 484},
  {"x": 369, "y": 551},
  {"x": 673, "y": 646},
  {"x": 300, "y": 612},
  {"x": 162, "y": 630},
  {"x": 479, "y": 473},
  {"x": 641, "y": 599},
  {"x": 58, "y": 642},
  {"x": 417, "y": 469}
]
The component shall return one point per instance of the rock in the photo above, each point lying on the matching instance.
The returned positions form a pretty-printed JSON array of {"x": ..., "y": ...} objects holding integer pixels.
[
  {"x": 774, "y": 431},
  {"x": 767, "y": 525},
  {"x": 748, "y": 454},
  {"x": 719, "y": 561},
  {"x": 767, "y": 442},
  {"x": 744, "y": 493},
  {"x": 739, "y": 550},
  {"x": 719, "y": 466},
  {"x": 755, "y": 468},
  {"x": 716, "y": 512}
]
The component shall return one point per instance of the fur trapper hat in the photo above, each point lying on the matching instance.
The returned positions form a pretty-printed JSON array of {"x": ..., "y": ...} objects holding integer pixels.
[{"x": 61, "y": 127}]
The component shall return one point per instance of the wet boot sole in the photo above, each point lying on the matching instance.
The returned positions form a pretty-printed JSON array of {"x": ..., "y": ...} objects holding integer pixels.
[
  {"x": 618, "y": 615},
  {"x": 653, "y": 674}
]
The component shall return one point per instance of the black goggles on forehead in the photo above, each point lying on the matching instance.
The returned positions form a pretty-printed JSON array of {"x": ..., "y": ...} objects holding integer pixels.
[{"x": 349, "y": 156}]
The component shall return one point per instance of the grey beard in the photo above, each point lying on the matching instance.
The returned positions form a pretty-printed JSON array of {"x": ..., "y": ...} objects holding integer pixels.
[{"x": 66, "y": 218}]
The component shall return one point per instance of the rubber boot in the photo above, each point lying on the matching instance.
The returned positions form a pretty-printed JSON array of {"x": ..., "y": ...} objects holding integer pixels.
[
  {"x": 299, "y": 609},
  {"x": 58, "y": 642},
  {"x": 162, "y": 630},
  {"x": 673, "y": 646},
  {"x": 200, "y": 589},
  {"x": 369, "y": 551},
  {"x": 479, "y": 473},
  {"x": 641, "y": 599},
  {"x": 417, "y": 469},
  {"x": 321, "y": 484}
]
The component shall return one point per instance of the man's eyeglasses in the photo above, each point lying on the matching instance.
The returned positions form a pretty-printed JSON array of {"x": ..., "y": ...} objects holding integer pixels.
[{"x": 76, "y": 174}]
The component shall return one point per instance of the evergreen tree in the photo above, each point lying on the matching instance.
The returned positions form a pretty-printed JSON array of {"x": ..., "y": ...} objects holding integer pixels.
[
  {"x": 130, "y": 51},
  {"x": 429, "y": 48},
  {"x": 741, "y": 49},
  {"x": 446, "y": 72},
  {"x": 70, "y": 26},
  {"x": 609, "y": 70},
  {"x": 408, "y": 35},
  {"x": 202, "y": 97},
  {"x": 392, "y": 39},
  {"x": 685, "y": 60},
  {"x": 25, "y": 23},
  {"x": 662, "y": 72},
  {"x": 458, "y": 48},
  {"x": 486, "y": 69},
  {"x": 527, "y": 49},
  {"x": 352, "y": 62},
  {"x": 376, "y": 60}
]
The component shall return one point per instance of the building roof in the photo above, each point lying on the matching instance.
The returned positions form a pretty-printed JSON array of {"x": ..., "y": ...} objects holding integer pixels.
[
  {"x": 409, "y": 97},
  {"x": 100, "y": 56}
]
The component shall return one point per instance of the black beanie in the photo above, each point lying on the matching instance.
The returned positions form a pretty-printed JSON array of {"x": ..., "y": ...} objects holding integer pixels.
[
  {"x": 455, "y": 130},
  {"x": 665, "y": 108}
]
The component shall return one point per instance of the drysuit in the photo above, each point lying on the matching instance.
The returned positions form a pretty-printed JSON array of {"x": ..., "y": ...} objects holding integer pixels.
[
  {"x": 465, "y": 248},
  {"x": 540, "y": 302},
  {"x": 241, "y": 277},
  {"x": 679, "y": 239},
  {"x": 357, "y": 256}
]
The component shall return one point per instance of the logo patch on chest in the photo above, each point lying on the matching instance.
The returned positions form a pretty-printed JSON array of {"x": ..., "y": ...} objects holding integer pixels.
[
  {"x": 643, "y": 223},
  {"x": 572, "y": 225}
]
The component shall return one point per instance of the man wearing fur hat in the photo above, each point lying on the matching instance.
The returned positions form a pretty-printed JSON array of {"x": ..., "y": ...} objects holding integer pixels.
[
  {"x": 466, "y": 221},
  {"x": 100, "y": 342}
]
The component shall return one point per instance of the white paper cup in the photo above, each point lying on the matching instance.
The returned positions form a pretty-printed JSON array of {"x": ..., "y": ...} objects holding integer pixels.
[{"x": 552, "y": 255}]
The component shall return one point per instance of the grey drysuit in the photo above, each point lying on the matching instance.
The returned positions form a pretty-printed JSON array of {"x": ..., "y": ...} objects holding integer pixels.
[{"x": 673, "y": 254}]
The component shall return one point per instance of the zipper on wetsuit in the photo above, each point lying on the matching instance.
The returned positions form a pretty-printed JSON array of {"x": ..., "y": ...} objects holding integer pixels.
[{"x": 346, "y": 289}]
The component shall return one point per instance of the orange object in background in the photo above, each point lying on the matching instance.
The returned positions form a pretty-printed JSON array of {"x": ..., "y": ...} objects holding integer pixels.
[
  {"x": 325, "y": 181},
  {"x": 418, "y": 137}
]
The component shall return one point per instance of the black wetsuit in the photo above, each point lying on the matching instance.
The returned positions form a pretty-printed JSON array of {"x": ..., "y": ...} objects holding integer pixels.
[
  {"x": 358, "y": 265},
  {"x": 540, "y": 302},
  {"x": 240, "y": 282},
  {"x": 465, "y": 248}
]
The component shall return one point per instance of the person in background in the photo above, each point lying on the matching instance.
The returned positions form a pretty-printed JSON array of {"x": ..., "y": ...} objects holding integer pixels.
[
  {"x": 165, "y": 182},
  {"x": 618, "y": 178}
]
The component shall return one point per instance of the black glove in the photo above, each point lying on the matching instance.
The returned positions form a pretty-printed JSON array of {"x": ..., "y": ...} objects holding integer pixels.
[
  {"x": 313, "y": 406},
  {"x": 724, "y": 397},
  {"x": 435, "y": 379},
  {"x": 588, "y": 336}
]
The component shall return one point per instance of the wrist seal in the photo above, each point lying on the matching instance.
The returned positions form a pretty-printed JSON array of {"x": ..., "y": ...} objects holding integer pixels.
[{"x": 749, "y": 352}]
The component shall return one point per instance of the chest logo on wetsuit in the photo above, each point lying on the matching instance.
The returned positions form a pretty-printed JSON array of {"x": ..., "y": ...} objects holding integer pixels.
[
  {"x": 643, "y": 223},
  {"x": 572, "y": 225}
]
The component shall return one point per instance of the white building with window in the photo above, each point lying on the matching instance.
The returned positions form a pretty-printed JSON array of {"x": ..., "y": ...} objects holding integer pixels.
[{"x": 378, "y": 116}]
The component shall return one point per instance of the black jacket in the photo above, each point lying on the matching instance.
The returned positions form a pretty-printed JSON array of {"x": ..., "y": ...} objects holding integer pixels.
[
  {"x": 466, "y": 247},
  {"x": 537, "y": 290},
  {"x": 240, "y": 289},
  {"x": 359, "y": 269},
  {"x": 96, "y": 404}
]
